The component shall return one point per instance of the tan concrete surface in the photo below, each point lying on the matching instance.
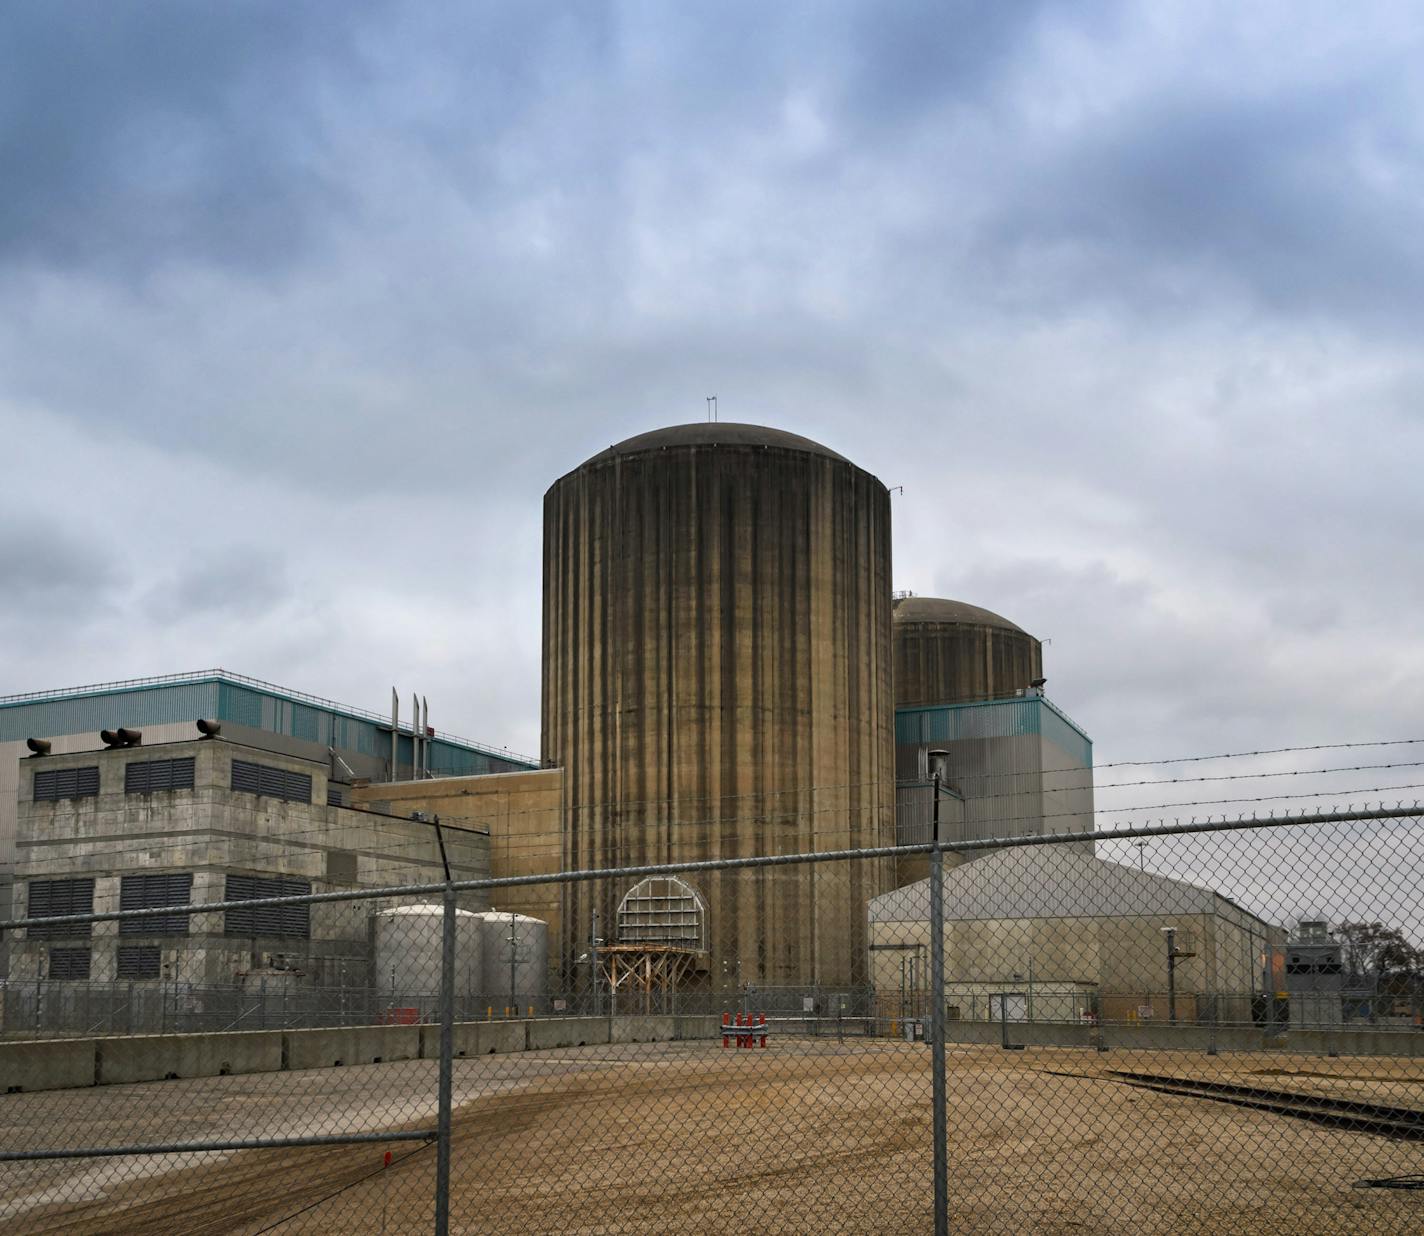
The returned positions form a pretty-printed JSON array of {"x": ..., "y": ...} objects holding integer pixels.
[{"x": 803, "y": 1136}]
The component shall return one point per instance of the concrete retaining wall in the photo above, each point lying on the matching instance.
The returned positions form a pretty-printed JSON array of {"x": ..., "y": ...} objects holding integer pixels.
[
  {"x": 322, "y": 1049},
  {"x": 51, "y": 1064},
  {"x": 1359, "y": 1042},
  {"x": 566, "y": 1032},
  {"x": 59, "y": 1064},
  {"x": 643, "y": 1029},
  {"x": 157, "y": 1057}
]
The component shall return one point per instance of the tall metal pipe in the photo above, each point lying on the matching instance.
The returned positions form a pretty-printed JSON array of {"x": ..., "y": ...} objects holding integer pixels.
[
  {"x": 941, "y": 1128},
  {"x": 447, "y": 1053},
  {"x": 395, "y": 731}
]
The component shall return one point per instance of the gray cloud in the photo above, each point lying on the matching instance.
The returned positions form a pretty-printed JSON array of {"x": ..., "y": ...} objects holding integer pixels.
[
  {"x": 152, "y": 134},
  {"x": 50, "y": 571},
  {"x": 1127, "y": 305}
]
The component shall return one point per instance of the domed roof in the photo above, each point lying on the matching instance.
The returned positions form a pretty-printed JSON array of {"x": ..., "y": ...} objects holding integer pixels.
[
  {"x": 715, "y": 433},
  {"x": 939, "y": 609}
]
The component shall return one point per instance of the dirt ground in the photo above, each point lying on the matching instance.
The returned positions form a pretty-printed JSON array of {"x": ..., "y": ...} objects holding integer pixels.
[{"x": 804, "y": 1136}]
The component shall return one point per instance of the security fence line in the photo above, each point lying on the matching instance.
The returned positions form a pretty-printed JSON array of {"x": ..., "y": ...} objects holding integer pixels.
[{"x": 448, "y": 1003}]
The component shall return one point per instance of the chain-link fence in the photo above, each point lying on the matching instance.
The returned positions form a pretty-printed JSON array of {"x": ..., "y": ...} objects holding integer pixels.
[{"x": 1187, "y": 1028}]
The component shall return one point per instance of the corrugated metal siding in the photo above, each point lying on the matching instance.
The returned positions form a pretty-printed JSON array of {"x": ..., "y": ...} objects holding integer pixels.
[
  {"x": 239, "y": 705},
  {"x": 993, "y": 719},
  {"x": 108, "y": 709},
  {"x": 218, "y": 699}
]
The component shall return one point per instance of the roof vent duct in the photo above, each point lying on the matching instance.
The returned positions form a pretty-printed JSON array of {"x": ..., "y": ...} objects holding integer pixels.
[
  {"x": 38, "y": 746},
  {"x": 209, "y": 729}
]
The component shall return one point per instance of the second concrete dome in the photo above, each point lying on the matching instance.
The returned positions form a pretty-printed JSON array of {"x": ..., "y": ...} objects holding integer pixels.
[{"x": 949, "y": 652}]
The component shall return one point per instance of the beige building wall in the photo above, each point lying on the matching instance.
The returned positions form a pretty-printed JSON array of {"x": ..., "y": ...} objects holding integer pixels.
[
  {"x": 1122, "y": 960},
  {"x": 212, "y": 831},
  {"x": 520, "y": 811}
]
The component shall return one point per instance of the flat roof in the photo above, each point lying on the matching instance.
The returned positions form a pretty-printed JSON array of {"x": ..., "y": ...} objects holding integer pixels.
[{"x": 220, "y": 675}]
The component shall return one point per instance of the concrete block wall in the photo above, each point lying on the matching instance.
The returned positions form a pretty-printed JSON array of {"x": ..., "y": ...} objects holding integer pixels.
[{"x": 60, "y": 1064}]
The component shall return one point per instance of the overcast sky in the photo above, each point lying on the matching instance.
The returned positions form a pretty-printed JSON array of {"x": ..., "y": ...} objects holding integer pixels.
[{"x": 303, "y": 307}]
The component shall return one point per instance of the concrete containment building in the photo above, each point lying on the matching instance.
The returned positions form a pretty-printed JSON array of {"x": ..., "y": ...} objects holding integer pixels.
[
  {"x": 948, "y": 652},
  {"x": 717, "y": 682}
]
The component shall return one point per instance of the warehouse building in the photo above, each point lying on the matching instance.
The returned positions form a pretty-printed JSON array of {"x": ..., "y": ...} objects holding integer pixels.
[
  {"x": 725, "y": 674},
  {"x": 1051, "y": 933}
]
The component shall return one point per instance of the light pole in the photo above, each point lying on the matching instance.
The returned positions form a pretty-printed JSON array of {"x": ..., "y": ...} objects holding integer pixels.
[
  {"x": 1173, "y": 953},
  {"x": 1141, "y": 853}
]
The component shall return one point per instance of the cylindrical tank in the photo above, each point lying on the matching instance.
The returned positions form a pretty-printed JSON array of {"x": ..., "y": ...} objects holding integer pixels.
[
  {"x": 947, "y": 652},
  {"x": 516, "y": 961},
  {"x": 717, "y": 684},
  {"x": 407, "y": 955}
]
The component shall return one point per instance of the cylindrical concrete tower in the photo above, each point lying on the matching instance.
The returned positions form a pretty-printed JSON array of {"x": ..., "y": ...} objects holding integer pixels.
[
  {"x": 947, "y": 652},
  {"x": 717, "y": 683}
]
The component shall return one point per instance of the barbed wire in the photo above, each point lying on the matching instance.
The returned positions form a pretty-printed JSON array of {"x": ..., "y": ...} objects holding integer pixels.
[{"x": 504, "y": 846}]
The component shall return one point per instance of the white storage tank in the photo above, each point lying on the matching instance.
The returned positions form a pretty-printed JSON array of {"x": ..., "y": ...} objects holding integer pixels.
[
  {"x": 407, "y": 957},
  {"x": 516, "y": 961}
]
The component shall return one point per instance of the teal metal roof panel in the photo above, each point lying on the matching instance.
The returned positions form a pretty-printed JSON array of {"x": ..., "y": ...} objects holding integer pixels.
[
  {"x": 99, "y": 710},
  {"x": 224, "y": 696},
  {"x": 1009, "y": 718}
]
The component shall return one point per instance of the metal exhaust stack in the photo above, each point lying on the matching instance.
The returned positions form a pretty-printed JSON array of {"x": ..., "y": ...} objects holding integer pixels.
[
  {"x": 130, "y": 738},
  {"x": 209, "y": 729},
  {"x": 38, "y": 746}
]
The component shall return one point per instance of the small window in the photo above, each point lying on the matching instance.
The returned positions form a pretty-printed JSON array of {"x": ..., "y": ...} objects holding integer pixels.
[
  {"x": 69, "y": 963},
  {"x": 54, "y": 898},
  {"x": 293, "y": 921},
  {"x": 269, "y": 782},
  {"x": 148, "y": 892},
  {"x": 341, "y": 867},
  {"x": 150, "y": 776},
  {"x": 53, "y": 784},
  {"x": 139, "y": 961}
]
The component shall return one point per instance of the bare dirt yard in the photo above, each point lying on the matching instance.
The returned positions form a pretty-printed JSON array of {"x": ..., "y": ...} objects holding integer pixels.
[{"x": 804, "y": 1136}]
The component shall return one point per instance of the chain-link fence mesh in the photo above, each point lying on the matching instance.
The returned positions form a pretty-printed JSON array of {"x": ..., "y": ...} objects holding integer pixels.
[{"x": 1174, "y": 1029}]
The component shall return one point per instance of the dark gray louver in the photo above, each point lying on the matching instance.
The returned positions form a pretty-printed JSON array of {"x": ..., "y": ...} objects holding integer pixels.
[
  {"x": 147, "y": 892},
  {"x": 292, "y": 921},
  {"x": 148, "y": 776},
  {"x": 53, "y": 784}
]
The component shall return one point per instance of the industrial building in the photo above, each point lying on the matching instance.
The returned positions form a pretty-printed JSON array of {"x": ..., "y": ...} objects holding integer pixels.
[
  {"x": 353, "y": 743},
  {"x": 726, "y": 673},
  {"x": 141, "y": 825}
]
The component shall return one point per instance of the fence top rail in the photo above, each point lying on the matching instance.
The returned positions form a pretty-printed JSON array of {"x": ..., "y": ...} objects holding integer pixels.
[{"x": 1245, "y": 823}]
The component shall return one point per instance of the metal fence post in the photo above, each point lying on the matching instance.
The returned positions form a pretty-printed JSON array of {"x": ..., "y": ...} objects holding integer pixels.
[
  {"x": 447, "y": 1052},
  {"x": 941, "y": 1121}
]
